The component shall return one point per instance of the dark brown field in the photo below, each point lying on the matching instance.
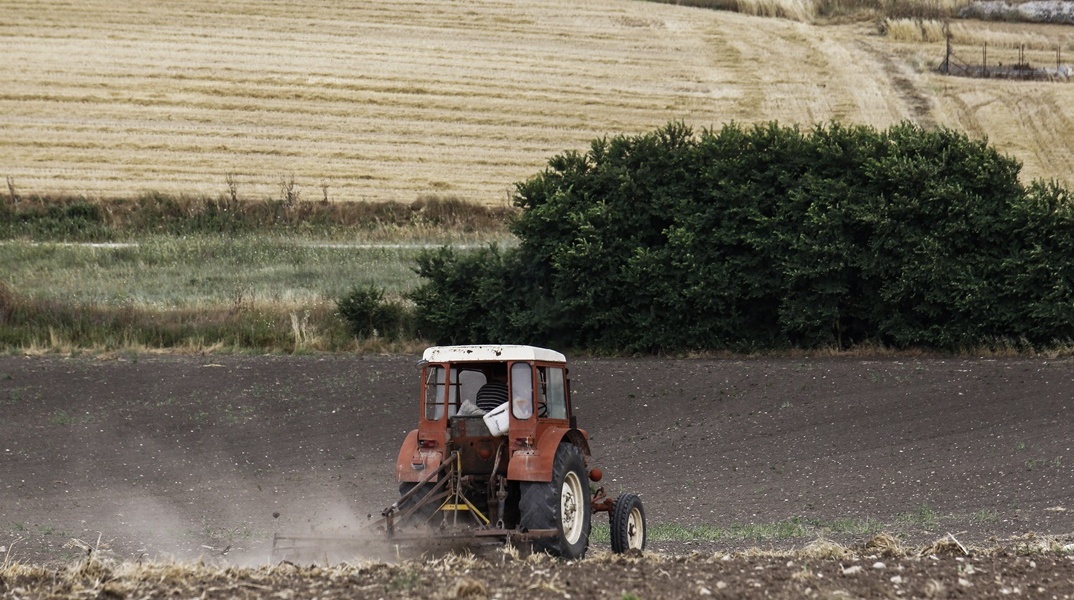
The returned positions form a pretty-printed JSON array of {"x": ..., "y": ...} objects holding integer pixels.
[{"x": 743, "y": 465}]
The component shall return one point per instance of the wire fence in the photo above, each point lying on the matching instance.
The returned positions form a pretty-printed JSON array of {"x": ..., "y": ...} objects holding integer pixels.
[{"x": 953, "y": 64}]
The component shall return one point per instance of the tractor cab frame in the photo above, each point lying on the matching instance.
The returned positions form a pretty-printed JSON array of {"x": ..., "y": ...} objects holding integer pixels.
[{"x": 455, "y": 416}]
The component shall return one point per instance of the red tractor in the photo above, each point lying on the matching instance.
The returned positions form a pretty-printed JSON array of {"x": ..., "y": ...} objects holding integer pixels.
[{"x": 498, "y": 455}]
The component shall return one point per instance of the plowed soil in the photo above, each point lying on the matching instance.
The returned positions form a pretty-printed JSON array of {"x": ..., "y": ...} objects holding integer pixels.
[{"x": 740, "y": 464}]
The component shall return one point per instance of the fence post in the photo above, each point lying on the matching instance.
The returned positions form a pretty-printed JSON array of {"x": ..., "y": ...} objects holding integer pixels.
[{"x": 947, "y": 55}]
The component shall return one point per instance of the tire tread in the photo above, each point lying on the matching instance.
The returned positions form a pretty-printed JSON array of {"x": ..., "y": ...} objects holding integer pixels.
[
  {"x": 540, "y": 504},
  {"x": 620, "y": 519}
]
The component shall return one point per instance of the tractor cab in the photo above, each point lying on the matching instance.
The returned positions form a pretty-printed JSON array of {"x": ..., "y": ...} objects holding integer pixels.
[{"x": 487, "y": 402}]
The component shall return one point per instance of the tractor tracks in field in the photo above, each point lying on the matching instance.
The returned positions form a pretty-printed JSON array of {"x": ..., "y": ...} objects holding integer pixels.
[{"x": 917, "y": 103}]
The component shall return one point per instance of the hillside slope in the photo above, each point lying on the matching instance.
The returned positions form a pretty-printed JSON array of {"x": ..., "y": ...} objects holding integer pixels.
[{"x": 388, "y": 100}]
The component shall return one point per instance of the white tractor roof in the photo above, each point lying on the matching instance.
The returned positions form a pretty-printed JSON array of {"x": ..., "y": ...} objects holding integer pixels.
[{"x": 490, "y": 352}]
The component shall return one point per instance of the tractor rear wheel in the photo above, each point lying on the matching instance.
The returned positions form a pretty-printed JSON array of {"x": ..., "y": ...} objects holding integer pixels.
[
  {"x": 561, "y": 504},
  {"x": 628, "y": 524}
]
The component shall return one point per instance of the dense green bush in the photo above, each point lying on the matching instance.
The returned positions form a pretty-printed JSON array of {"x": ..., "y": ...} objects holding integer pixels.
[
  {"x": 488, "y": 294},
  {"x": 77, "y": 218},
  {"x": 368, "y": 314},
  {"x": 769, "y": 237}
]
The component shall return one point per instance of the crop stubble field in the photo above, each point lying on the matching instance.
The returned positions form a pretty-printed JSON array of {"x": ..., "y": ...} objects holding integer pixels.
[{"x": 391, "y": 100}]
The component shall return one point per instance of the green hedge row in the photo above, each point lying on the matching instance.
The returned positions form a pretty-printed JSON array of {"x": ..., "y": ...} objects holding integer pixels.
[
  {"x": 76, "y": 218},
  {"x": 766, "y": 237}
]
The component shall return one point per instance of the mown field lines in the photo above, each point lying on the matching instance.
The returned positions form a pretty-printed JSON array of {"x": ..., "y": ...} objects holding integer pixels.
[
  {"x": 379, "y": 101},
  {"x": 388, "y": 100},
  {"x": 376, "y": 100}
]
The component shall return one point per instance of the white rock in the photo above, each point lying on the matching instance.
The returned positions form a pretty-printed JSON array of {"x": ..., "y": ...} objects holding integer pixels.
[{"x": 879, "y": 565}]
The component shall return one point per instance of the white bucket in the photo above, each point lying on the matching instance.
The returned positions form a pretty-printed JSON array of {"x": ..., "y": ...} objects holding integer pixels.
[{"x": 497, "y": 420}]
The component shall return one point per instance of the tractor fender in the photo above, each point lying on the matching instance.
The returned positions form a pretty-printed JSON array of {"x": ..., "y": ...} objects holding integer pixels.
[
  {"x": 413, "y": 464},
  {"x": 535, "y": 463}
]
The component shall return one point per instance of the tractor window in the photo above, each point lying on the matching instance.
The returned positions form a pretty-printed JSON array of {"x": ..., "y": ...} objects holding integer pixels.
[
  {"x": 552, "y": 395},
  {"x": 522, "y": 390},
  {"x": 467, "y": 382},
  {"x": 434, "y": 392}
]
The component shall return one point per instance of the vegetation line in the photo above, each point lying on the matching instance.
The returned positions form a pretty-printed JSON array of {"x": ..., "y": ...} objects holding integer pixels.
[
  {"x": 299, "y": 243},
  {"x": 61, "y": 218}
]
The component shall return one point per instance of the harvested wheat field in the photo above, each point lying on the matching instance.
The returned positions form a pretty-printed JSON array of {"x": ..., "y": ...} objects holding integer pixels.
[
  {"x": 392, "y": 100},
  {"x": 151, "y": 476}
]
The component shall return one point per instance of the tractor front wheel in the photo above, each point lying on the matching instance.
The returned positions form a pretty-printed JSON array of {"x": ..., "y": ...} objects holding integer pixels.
[
  {"x": 562, "y": 504},
  {"x": 628, "y": 524}
]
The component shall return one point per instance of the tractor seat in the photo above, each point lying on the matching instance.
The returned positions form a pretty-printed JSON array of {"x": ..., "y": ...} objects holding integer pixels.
[{"x": 491, "y": 395}]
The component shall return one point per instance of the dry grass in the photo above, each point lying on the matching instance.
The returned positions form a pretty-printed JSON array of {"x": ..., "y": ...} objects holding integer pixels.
[
  {"x": 369, "y": 101},
  {"x": 810, "y": 10},
  {"x": 825, "y": 549},
  {"x": 35, "y": 326},
  {"x": 1034, "y": 544},
  {"x": 945, "y": 546},
  {"x": 795, "y": 10},
  {"x": 452, "y": 575},
  {"x": 978, "y": 34},
  {"x": 915, "y": 30},
  {"x": 1032, "y": 121},
  {"x": 389, "y": 101},
  {"x": 885, "y": 545}
]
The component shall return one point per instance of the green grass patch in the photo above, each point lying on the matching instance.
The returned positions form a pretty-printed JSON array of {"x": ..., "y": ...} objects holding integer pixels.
[
  {"x": 923, "y": 516},
  {"x": 197, "y": 292},
  {"x": 14, "y": 396},
  {"x": 792, "y": 528},
  {"x": 1042, "y": 463},
  {"x": 56, "y": 326},
  {"x": 985, "y": 516},
  {"x": 198, "y": 272},
  {"x": 172, "y": 272},
  {"x": 62, "y": 418}
]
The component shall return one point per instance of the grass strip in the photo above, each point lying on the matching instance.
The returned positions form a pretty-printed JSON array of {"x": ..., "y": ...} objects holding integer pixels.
[
  {"x": 199, "y": 292},
  {"x": 792, "y": 528}
]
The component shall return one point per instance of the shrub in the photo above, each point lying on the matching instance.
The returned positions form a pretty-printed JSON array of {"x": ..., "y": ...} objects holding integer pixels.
[
  {"x": 484, "y": 295},
  {"x": 768, "y": 237},
  {"x": 368, "y": 314}
]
